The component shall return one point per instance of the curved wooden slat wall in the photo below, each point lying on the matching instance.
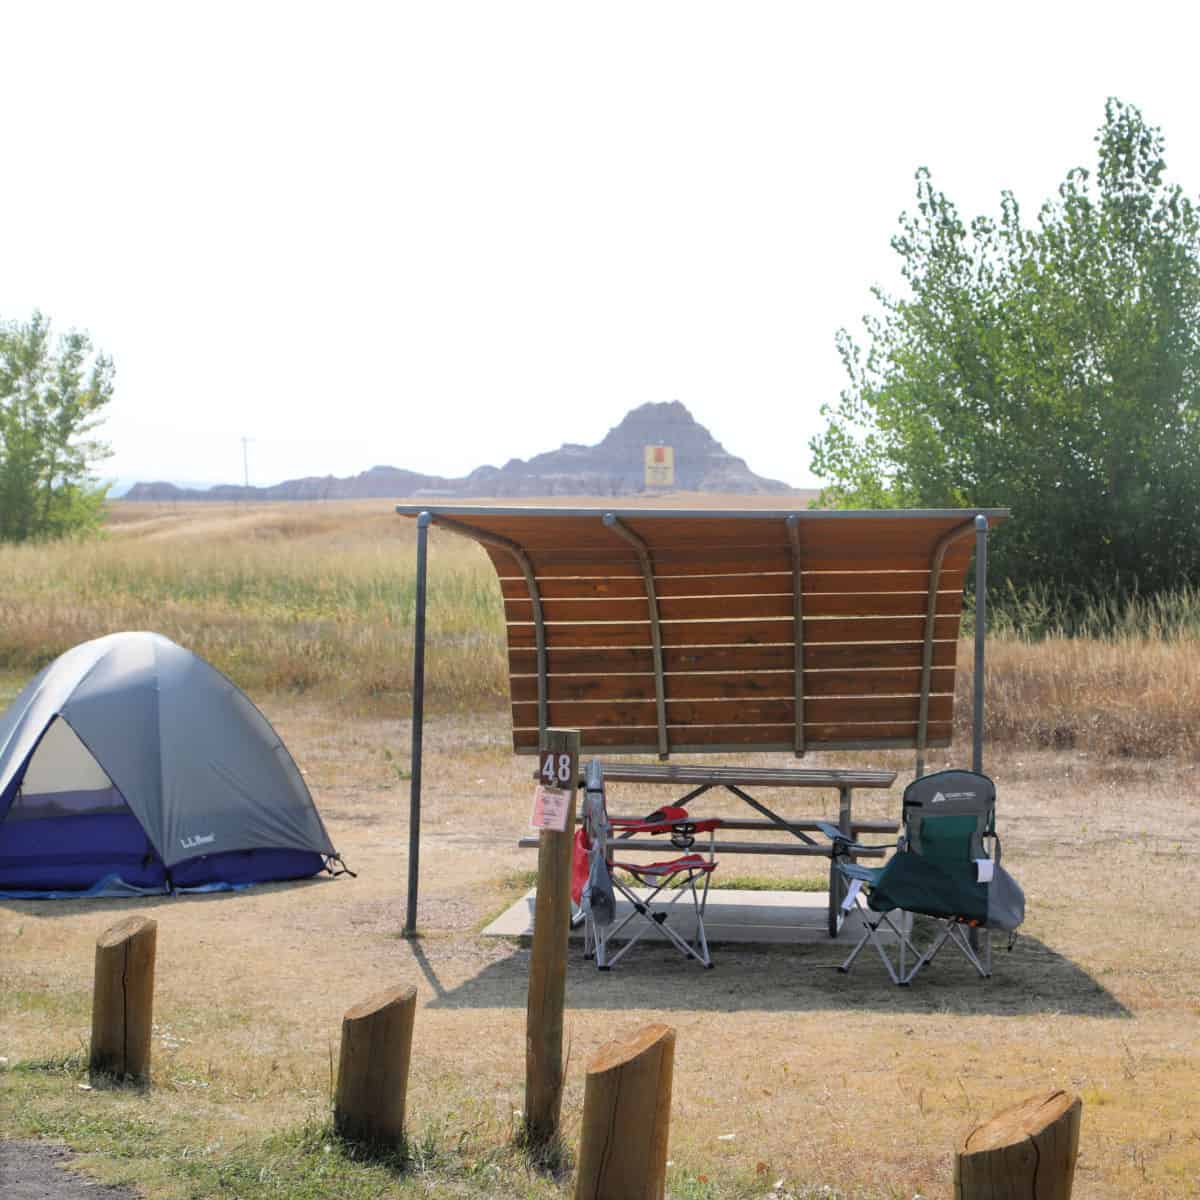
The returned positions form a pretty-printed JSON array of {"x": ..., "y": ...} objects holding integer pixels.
[{"x": 724, "y": 588}]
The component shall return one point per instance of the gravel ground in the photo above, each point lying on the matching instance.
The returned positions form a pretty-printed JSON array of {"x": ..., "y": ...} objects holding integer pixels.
[{"x": 38, "y": 1171}]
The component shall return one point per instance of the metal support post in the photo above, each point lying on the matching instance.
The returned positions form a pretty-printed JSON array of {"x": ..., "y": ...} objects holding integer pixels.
[
  {"x": 981, "y": 532},
  {"x": 418, "y": 718}
]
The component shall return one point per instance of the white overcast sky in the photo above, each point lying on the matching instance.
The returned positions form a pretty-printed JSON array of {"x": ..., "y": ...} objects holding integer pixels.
[{"x": 442, "y": 234}]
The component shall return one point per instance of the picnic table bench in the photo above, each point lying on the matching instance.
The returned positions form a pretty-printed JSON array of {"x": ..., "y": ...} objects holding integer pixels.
[{"x": 671, "y": 631}]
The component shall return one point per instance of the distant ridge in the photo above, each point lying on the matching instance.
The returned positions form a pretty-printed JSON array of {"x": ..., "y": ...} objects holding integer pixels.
[{"x": 614, "y": 467}]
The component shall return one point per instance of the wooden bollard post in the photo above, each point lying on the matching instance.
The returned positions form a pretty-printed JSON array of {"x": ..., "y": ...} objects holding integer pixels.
[
  {"x": 372, "y": 1082},
  {"x": 1026, "y": 1152},
  {"x": 626, "y": 1117},
  {"x": 123, "y": 999},
  {"x": 559, "y": 759}
]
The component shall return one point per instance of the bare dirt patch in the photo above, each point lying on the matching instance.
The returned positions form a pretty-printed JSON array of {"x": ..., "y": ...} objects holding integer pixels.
[{"x": 40, "y": 1171}]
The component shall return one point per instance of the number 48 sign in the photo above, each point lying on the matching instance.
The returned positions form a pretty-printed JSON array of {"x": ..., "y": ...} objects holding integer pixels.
[
  {"x": 557, "y": 769},
  {"x": 552, "y": 797}
]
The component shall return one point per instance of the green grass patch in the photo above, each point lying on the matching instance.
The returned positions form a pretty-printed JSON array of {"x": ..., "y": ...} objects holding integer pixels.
[
  {"x": 133, "y": 1140},
  {"x": 45, "y": 1003},
  {"x": 766, "y": 883},
  {"x": 519, "y": 881},
  {"x": 145, "y": 1138},
  {"x": 57, "y": 1064}
]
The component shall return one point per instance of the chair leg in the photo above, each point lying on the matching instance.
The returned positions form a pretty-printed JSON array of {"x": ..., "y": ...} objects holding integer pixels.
[
  {"x": 645, "y": 909},
  {"x": 639, "y": 909},
  {"x": 699, "y": 950},
  {"x": 956, "y": 933},
  {"x": 887, "y": 962},
  {"x": 930, "y": 951},
  {"x": 699, "y": 906},
  {"x": 961, "y": 937},
  {"x": 862, "y": 941},
  {"x": 870, "y": 934}
]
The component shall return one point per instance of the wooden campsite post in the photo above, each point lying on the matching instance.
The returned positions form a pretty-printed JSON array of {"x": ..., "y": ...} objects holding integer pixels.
[
  {"x": 558, "y": 762},
  {"x": 123, "y": 999},
  {"x": 1026, "y": 1152},
  {"x": 626, "y": 1118},
  {"x": 372, "y": 1083}
]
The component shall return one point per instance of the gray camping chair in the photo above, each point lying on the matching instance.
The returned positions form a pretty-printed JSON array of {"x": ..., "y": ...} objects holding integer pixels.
[{"x": 946, "y": 867}]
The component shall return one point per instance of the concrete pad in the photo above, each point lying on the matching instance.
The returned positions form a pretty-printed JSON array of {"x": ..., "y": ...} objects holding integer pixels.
[{"x": 731, "y": 916}]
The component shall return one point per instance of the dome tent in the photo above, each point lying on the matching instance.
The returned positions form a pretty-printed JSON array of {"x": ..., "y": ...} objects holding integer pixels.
[{"x": 130, "y": 763}]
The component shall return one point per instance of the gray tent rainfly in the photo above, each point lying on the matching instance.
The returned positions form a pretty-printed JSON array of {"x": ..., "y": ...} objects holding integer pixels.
[{"x": 130, "y": 763}]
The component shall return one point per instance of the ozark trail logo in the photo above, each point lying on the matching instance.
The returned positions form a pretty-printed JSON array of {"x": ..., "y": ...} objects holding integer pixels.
[
  {"x": 199, "y": 839},
  {"x": 940, "y": 799}
]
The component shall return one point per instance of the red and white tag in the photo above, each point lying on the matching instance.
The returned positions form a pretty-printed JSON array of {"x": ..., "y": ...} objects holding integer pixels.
[{"x": 550, "y": 807}]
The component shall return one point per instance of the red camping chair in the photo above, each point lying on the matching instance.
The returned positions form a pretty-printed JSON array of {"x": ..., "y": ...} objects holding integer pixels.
[{"x": 594, "y": 881}]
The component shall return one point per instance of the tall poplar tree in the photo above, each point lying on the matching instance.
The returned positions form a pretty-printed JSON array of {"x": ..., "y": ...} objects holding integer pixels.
[{"x": 1053, "y": 367}]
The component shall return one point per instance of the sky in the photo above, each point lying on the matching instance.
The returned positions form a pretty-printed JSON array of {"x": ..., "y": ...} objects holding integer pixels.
[{"x": 445, "y": 234}]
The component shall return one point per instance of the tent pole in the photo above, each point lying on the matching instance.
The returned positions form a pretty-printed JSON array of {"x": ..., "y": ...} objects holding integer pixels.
[
  {"x": 981, "y": 532},
  {"x": 418, "y": 720}
]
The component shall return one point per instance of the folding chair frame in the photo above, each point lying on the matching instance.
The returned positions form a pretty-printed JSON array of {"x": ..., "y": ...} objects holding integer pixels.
[
  {"x": 959, "y": 934},
  {"x": 680, "y": 875},
  {"x": 871, "y": 922},
  {"x": 596, "y": 938},
  {"x": 950, "y": 930}
]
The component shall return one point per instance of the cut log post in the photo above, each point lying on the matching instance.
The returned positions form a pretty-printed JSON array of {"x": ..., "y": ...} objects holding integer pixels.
[
  {"x": 1026, "y": 1152},
  {"x": 123, "y": 999},
  {"x": 548, "y": 959},
  {"x": 372, "y": 1083},
  {"x": 626, "y": 1118}
]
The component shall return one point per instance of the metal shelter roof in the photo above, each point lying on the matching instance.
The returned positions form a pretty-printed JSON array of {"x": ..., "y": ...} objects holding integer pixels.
[{"x": 658, "y": 630}]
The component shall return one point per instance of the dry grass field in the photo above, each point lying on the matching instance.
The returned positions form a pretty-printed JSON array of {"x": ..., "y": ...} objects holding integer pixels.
[{"x": 823, "y": 1081}]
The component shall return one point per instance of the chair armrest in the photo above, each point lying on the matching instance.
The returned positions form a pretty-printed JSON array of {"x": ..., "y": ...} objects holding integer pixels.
[
  {"x": 839, "y": 838},
  {"x": 862, "y": 874}
]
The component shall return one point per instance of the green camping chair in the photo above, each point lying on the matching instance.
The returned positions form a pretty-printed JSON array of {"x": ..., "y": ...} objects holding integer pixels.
[{"x": 942, "y": 869}]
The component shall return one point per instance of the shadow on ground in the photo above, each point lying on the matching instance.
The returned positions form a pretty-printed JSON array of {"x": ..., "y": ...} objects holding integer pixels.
[{"x": 1031, "y": 979}]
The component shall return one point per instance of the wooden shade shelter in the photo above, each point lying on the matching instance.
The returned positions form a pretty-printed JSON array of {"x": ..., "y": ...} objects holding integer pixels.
[{"x": 669, "y": 631}]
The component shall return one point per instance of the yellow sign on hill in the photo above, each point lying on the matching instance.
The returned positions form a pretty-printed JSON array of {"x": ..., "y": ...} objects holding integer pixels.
[{"x": 660, "y": 466}]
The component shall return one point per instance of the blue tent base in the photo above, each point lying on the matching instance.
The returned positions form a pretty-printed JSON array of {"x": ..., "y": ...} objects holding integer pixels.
[
  {"x": 243, "y": 867},
  {"x": 111, "y": 850},
  {"x": 113, "y": 887}
]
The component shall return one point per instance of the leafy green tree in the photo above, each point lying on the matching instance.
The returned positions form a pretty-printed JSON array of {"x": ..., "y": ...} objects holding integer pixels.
[
  {"x": 1053, "y": 368},
  {"x": 52, "y": 393}
]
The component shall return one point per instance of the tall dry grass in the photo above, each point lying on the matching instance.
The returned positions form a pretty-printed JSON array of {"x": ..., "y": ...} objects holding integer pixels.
[
  {"x": 319, "y": 598},
  {"x": 298, "y": 598}
]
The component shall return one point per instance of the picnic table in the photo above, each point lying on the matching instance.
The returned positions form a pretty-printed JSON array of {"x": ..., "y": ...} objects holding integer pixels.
[
  {"x": 661, "y": 631},
  {"x": 736, "y": 781}
]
